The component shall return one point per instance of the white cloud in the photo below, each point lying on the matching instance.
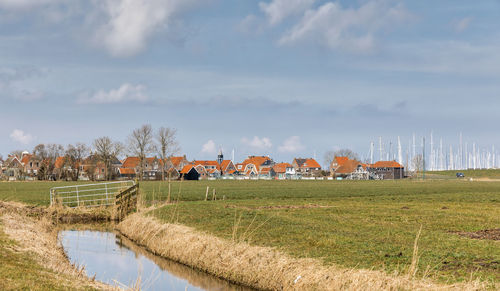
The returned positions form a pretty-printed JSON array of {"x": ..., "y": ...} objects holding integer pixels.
[
  {"x": 347, "y": 29},
  {"x": 126, "y": 93},
  {"x": 278, "y": 10},
  {"x": 21, "y": 137},
  {"x": 258, "y": 143},
  {"x": 462, "y": 24},
  {"x": 130, "y": 24},
  {"x": 291, "y": 145},
  {"x": 209, "y": 147}
]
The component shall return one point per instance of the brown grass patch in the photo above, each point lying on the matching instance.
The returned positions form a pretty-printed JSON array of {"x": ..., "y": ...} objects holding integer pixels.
[
  {"x": 271, "y": 207},
  {"x": 263, "y": 267},
  {"x": 492, "y": 234}
]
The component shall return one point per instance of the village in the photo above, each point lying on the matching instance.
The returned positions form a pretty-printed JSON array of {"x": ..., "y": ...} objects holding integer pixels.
[{"x": 28, "y": 167}]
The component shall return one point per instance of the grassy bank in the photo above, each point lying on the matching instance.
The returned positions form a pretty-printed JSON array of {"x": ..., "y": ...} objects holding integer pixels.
[
  {"x": 30, "y": 258},
  {"x": 21, "y": 272}
]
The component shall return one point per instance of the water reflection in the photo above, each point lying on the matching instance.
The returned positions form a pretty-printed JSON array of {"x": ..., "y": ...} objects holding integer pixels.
[{"x": 114, "y": 258}]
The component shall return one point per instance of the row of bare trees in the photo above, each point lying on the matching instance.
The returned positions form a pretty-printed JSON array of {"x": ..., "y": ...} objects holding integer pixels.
[{"x": 141, "y": 143}]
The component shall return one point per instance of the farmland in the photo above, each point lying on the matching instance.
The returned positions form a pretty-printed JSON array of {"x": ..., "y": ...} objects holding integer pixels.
[{"x": 355, "y": 224}]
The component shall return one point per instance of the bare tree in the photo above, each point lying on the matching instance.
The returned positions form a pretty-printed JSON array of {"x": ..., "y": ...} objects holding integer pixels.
[
  {"x": 140, "y": 144},
  {"x": 106, "y": 151},
  {"x": 166, "y": 147},
  {"x": 74, "y": 157},
  {"x": 418, "y": 163},
  {"x": 41, "y": 153}
]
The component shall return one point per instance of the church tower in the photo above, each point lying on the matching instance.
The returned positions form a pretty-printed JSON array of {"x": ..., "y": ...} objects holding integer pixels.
[{"x": 220, "y": 157}]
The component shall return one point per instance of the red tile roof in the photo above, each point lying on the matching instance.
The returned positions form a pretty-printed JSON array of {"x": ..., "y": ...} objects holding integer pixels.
[
  {"x": 347, "y": 167},
  {"x": 386, "y": 164},
  {"x": 26, "y": 159},
  {"x": 186, "y": 169},
  {"x": 311, "y": 163},
  {"x": 225, "y": 164},
  {"x": 131, "y": 162},
  {"x": 127, "y": 171},
  {"x": 176, "y": 161},
  {"x": 341, "y": 160},
  {"x": 281, "y": 167}
]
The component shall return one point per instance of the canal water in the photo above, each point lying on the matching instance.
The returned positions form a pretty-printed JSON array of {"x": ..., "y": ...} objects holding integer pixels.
[{"x": 115, "y": 260}]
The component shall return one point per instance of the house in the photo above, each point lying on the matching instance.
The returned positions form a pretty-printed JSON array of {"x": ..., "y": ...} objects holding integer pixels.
[
  {"x": 228, "y": 168},
  {"x": 151, "y": 171},
  {"x": 93, "y": 169},
  {"x": 306, "y": 167},
  {"x": 267, "y": 173},
  {"x": 285, "y": 171},
  {"x": 31, "y": 164},
  {"x": 189, "y": 172},
  {"x": 13, "y": 168},
  {"x": 343, "y": 167},
  {"x": 253, "y": 166},
  {"x": 387, "y": 170}
]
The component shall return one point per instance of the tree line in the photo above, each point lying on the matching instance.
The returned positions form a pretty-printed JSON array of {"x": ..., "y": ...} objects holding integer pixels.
[{"x": 141, "y": 143}]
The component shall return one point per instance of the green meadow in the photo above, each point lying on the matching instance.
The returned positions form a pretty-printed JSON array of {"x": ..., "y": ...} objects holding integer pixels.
[{"x": 355, "y": 224}]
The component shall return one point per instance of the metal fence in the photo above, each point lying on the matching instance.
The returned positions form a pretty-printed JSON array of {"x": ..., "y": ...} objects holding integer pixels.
[{"x": 88, "y": 195}]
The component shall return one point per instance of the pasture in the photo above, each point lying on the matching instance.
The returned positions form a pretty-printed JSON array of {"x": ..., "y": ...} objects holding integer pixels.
[{"x": 355, "y": 224}]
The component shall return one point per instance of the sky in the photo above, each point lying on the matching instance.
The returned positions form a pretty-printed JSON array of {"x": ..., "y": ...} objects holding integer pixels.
[{"x": 286, "y": 78}]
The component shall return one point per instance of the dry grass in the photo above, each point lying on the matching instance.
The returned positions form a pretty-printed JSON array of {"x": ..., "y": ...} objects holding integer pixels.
[
  {"x": 38, "y": 236},
  {"x": 262, "y": 267}
]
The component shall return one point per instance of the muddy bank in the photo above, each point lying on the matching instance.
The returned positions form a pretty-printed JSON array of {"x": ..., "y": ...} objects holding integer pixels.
[
  {"x": 36, "y": 234},
  {"x": 261, "y": 267}
]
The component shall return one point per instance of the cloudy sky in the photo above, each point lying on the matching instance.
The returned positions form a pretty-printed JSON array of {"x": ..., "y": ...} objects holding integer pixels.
[{"x": 280, "y": 77}]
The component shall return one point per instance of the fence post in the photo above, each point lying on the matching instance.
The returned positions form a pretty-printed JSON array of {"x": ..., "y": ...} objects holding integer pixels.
[
  {"x": 206, "y": 194},
  {"x": 107, "y": 198},
  {"x": 77, "y": 198}
]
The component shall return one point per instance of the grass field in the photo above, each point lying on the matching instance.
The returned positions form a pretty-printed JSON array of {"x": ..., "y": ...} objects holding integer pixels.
[
  {"x": 365, "y": 224},
  {"x": 492, "y": 173}
]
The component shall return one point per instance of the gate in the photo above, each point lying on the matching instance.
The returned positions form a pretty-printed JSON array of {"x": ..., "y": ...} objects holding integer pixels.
[{"x": 93, "y": 195}]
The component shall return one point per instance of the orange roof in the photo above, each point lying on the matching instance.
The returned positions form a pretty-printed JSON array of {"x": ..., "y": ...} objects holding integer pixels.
[
  {"x": 186, "y": 169},
  {"x": 26, "y": 158},
  {"x": 150, "y": 160},
  {"x": 307, "y": 163},
  {"x": 59, "y": 162},
  {"x": 341, "y": 160},
  {"x": 176, "y": 161},
  {"x": 255, "y": 160},
  {"x": 311, "y": 163},
  {"x": 386, "y": 164},
  {"x": 127, "y": 171},
  {"x": 281, "y": 167},
  {"x": 348, "y": 167},
  {"x": 131, "y": 162},
  {"x": 225, "y": 164}
]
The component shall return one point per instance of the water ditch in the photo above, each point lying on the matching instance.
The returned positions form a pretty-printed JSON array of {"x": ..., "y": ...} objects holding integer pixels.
[{"x": 116, "y": 260}]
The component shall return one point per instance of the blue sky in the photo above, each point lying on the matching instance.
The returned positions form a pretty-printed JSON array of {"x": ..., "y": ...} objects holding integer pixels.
[{"x": 280, "y": 77}]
